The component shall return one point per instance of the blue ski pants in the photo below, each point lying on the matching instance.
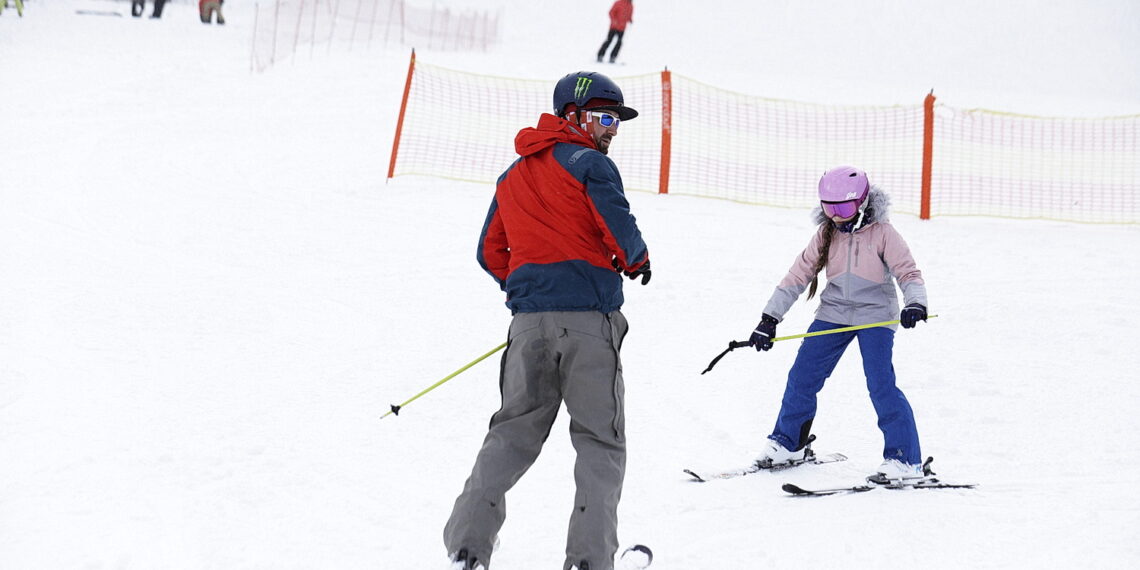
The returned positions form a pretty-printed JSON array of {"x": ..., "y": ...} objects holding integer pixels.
[{"x": 817, "y": 358}]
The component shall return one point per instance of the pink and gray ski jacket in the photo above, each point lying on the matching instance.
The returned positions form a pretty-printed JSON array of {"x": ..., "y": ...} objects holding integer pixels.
[{"x": 862, "y": 268}]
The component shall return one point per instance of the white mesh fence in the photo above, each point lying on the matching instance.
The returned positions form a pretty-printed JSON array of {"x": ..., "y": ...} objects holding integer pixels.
[
  {"x": 286, "y": 28},
  {"x": 1085, "y": 170},
  {"x": 728, "y": 145}
]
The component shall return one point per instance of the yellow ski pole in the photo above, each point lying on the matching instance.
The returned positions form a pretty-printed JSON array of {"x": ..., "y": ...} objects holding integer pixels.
[
  {"x": 396, "y": 408},
  {"x": 735, "y": 344},
  {"x": 843, "y": 329}
]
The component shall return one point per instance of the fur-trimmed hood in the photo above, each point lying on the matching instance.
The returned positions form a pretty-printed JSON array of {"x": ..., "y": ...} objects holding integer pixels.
[{"x": 876, "y": 209}]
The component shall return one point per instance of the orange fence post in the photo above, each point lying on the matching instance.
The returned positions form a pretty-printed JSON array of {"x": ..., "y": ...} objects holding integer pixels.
[
  {"x": 927, "y": 153},
  {"x": 666, "y": 129},
  {"x": 400, "y": 120}
]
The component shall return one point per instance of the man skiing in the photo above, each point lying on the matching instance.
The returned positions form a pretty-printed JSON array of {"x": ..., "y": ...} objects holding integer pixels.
[{"x": 557, "y": 237}]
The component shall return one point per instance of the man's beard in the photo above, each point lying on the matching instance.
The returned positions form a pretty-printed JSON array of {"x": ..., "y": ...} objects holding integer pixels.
[{"x": 603, "y": 143}]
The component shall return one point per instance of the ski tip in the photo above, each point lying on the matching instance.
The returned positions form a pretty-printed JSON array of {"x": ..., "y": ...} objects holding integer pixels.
[
  {"x": 694, "y": 477},
  {"x": 795, "y": 489},
  {"x": 801, "y": 492}
]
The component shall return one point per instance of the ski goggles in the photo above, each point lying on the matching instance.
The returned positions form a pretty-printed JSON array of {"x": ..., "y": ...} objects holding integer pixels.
[
  {"x": 605, "y": 119},
  {"x": 842, "y": 210}
]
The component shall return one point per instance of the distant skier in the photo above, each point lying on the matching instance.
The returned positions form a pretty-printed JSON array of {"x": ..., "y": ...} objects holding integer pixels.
[
  {"x": 207, "y": 9},
  {"x": 557, "y": 238},
  {"x": 621, "y": 15},
  {"x": 862, "y": 254}
]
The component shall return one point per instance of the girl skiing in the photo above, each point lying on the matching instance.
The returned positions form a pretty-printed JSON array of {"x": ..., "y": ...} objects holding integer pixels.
[{"x": 862, "y": 254}]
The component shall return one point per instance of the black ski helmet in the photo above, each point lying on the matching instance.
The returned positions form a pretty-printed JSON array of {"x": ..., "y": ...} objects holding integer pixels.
[{"x": 578, "y": 88}]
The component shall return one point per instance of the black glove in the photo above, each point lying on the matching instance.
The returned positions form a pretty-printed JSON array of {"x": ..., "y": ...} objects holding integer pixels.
[
  {"x": 643, "y": 272},
  {"x": 765, "y": 331},
  {"x": 913, "y": 313}
]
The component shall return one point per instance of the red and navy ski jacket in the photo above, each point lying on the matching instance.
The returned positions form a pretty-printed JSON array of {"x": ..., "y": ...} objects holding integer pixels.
[{"x": 558, "y": 220}]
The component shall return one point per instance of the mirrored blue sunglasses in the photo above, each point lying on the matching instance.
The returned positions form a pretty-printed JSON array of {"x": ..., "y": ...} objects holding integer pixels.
[{"x": 605, "y": 119}]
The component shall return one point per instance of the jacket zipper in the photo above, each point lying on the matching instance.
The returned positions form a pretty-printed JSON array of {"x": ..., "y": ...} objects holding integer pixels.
[{"x": 852, "y": 254}]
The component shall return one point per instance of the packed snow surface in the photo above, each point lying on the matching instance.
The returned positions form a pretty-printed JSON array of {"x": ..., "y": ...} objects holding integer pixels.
[{"x": 209, "y": 294}]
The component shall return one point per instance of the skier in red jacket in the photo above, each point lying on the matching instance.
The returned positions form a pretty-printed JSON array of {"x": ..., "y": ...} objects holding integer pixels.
[
  {"x": 557, "y": 238},
  {"x": 621, "y": 15}
]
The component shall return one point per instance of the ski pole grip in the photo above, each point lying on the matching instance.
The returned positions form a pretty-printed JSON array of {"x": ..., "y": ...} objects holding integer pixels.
[{"x": 732, "y": 345}]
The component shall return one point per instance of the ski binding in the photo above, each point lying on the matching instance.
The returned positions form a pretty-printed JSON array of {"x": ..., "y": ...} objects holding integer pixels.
[{"x": 878, "y": 481}]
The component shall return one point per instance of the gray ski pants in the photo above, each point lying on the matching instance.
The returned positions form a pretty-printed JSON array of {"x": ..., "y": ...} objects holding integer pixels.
[{"x": 553, "y": 357}]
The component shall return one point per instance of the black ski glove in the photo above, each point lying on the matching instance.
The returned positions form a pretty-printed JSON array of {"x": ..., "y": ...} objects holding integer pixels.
[
  {"x": 643, "y": 272},
  {"x": 913, "y": 313},
  {"x": 765, "y": 331}
]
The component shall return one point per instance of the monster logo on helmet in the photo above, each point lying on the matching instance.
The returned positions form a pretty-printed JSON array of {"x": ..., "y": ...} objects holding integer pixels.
[{"x": 580, "y": 88}]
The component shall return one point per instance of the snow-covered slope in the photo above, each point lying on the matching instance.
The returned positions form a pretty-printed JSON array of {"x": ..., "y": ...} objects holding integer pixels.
[{"x": 209, "y": 295}]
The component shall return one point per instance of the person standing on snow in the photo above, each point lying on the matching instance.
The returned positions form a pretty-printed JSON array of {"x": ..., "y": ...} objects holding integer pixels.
[
  {"x": 621, "y": 15},
  {"x": 862, "y": 253},
  {"x": 556, "y": 239},
  {"x": 208, "y": 8}
]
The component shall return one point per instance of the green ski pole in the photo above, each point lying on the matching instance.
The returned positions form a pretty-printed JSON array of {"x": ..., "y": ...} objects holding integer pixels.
[
  {"x": 396, "y": 408},
  {"x": 735, "y": 344},
  {"x": 843, "y": 329}
]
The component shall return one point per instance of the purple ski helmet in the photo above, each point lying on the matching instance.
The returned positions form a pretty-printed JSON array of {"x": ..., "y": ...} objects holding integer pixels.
[{"x": 842, "y": 190}]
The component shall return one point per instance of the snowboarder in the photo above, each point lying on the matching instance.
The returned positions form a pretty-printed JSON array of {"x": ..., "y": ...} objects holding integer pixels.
[
  {"x": 621, "y": 15},
  {"x": 862, "y": 253},
  {"x": 557, "y": 237}
]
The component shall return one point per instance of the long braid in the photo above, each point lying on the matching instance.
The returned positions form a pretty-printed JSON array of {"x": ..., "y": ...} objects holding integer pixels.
[{"x": 824, "y": 248}]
